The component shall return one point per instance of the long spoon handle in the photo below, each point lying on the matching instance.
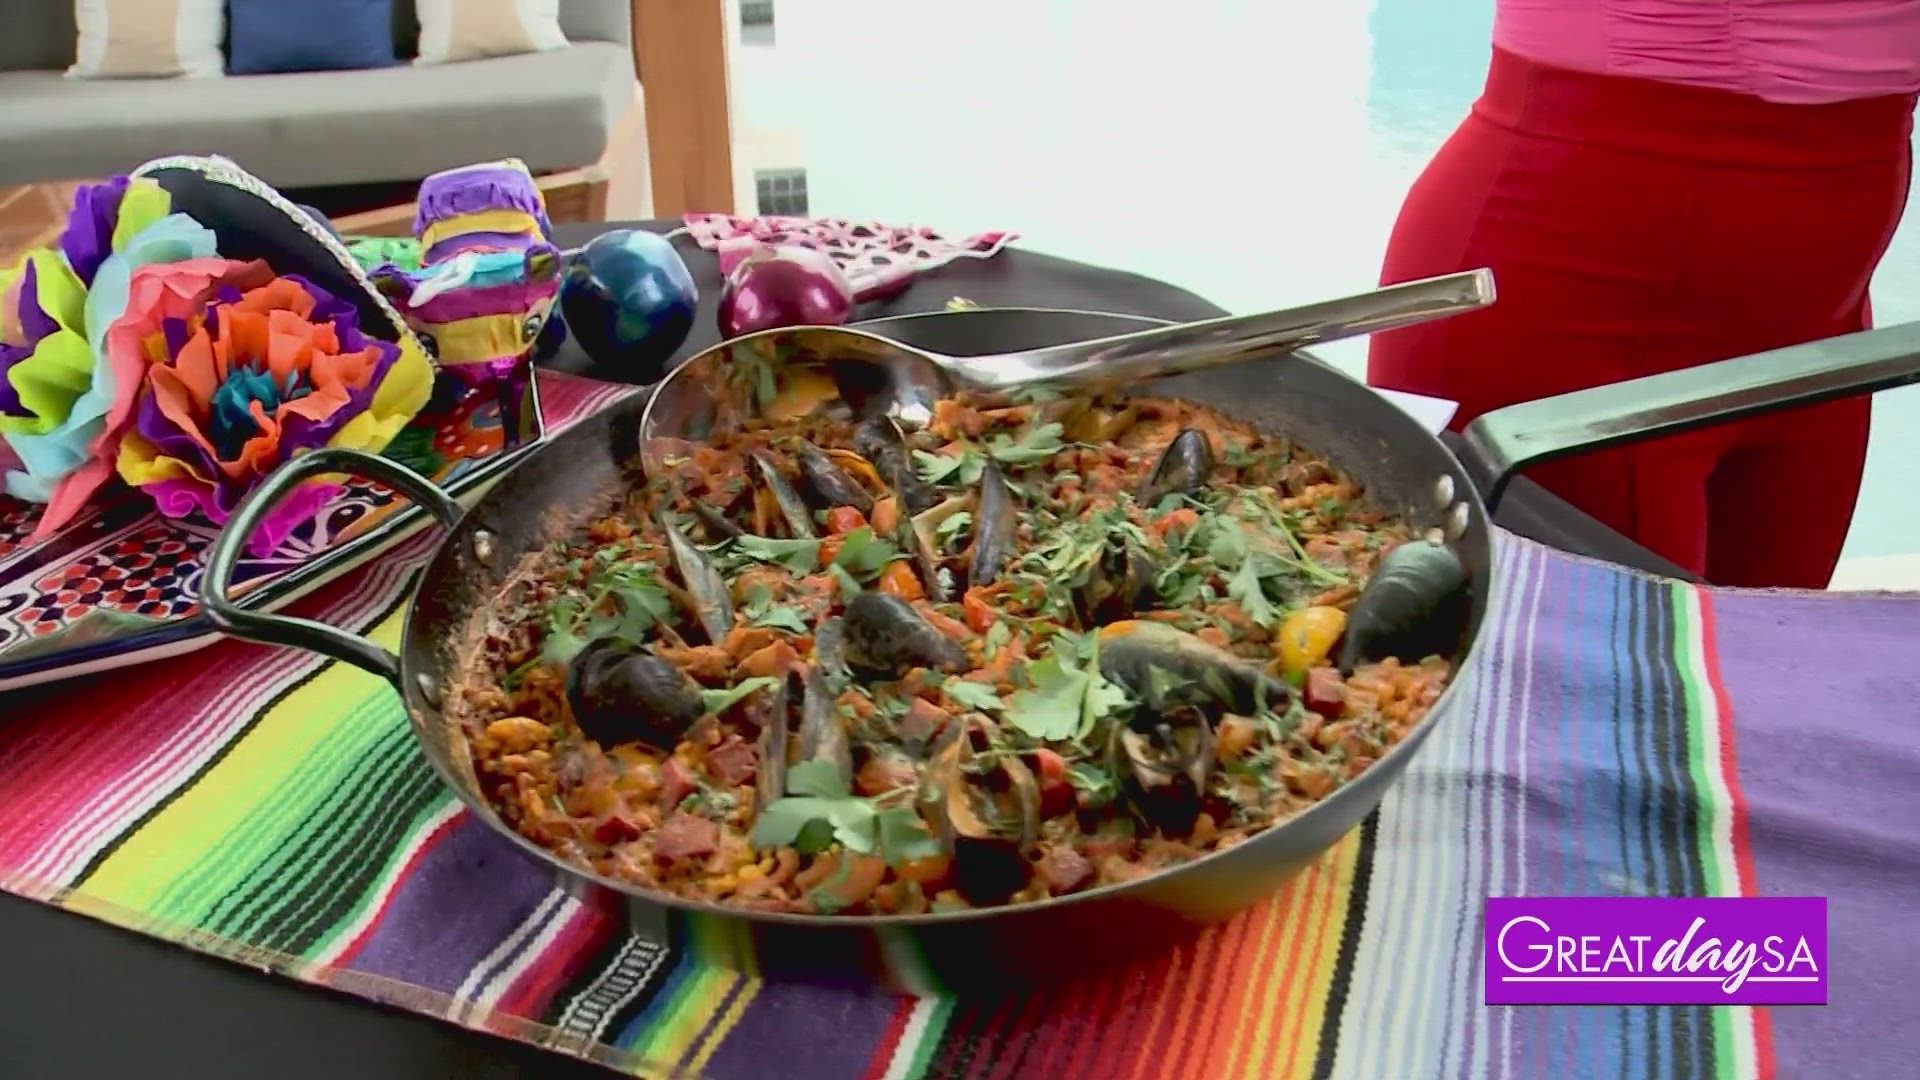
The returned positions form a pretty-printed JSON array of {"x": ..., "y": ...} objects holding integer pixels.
[{"x": 1175, "y": 350}]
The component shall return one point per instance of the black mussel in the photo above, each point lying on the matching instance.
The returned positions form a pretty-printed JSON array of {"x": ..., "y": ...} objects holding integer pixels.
[
  {"x": 918, "y": 536},
  {"x": 619, "y": 695},
  {"x": 1183, "y": 468},
  {"x": 882, "y": 443},
  {"x": 1190, "y": 672},
  {"x": 716, "y": 522},
  {"x": 823, "y": 730},
  {"x": 829, "y": 483},
  {"x": 706, "y": 586},
  {"x": 1163, "y": 762},
  {"x": 830, "y": 647},
  {"x": 985, "y": 812},
  {"x": 995, "y": 521},
  {"x": 777, "y": 493},
  {"x": 1414, "y": 606},
  {"x": 885, "y": 638},
  {"x": 1119, "y": 586},
  {"x": 770, "y": 775}
]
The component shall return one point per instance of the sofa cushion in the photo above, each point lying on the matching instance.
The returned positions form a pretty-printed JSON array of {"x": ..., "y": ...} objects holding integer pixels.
[
  {"x": 38, "y": 36},
  {"x": 554, "y": 110},
  {"x": 582, "y": 20},
  {"x": 308, "y": 35}
]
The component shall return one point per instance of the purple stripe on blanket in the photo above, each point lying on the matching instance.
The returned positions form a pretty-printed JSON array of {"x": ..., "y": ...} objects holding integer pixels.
[
  {"x": 1822, "y": 689},
  {"x": 466, "y": 896}
]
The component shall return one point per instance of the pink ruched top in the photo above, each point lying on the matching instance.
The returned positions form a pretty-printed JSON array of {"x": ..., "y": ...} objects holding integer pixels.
[{"x": 1805, "y": 52}]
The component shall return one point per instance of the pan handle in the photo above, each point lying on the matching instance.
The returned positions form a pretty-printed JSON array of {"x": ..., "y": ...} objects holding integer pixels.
[
  {"x": 1499, "y": 444},
  {"x": 227, "y": 613}
]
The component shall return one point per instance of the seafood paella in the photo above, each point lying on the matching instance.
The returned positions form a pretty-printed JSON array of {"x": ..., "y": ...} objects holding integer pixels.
[{"x": 1029, "y": 648}]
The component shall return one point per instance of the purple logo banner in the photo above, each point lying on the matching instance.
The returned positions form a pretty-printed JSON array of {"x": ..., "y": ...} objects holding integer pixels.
[{"x": 1637, "y": 950}]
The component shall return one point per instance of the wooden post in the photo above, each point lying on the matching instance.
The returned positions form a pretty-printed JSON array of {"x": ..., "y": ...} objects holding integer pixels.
[{"x": 683, "y": 51}]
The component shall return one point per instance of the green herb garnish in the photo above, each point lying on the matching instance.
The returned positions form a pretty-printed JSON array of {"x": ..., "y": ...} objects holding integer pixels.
[
  {"x": 823, "y": 811},
  {"x": 1067, "y": 700}
]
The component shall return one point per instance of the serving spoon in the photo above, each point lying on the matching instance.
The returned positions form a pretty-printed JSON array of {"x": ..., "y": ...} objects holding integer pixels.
[{"x": 879, "y": 376}]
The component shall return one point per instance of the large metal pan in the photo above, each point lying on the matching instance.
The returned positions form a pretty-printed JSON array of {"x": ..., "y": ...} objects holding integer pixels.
[{"x": 1403, "y": 467}]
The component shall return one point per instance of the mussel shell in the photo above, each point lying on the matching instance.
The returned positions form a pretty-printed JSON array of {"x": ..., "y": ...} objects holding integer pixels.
[
  {"x": 823, "y": 731},
  {"x": 881, "y": 442},
  {"x": 793, "y": 509},
  {"x": 884, "y": 638},
  {"x": 1208, "y": 676},
  {"x": 719, "y": 527},
  {"x": 1416, "y": 604},
  {"x": 830, "y": 647},
  {"x": 830, "y": 484},
  {"x": 995, "y": 528},
  {"x": 705, "y": 584},
  {"x": 1183, "y": 468},
  {"x": 918, "y": 537},
  {"x": 619, "y": 695},
  {"x": 989, "y": 853},
  {"x": 1164, "y": 783},
  {"x": 770, "y": 777},
  {"x": 1119, "y": 586}
]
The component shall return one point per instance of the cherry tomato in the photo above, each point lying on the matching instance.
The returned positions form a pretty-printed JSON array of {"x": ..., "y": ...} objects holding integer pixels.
[{"x": 842, "y": 520}]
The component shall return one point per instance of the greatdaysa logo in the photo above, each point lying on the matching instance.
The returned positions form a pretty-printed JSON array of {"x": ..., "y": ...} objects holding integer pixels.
[{"x": 1564, "y": 950}]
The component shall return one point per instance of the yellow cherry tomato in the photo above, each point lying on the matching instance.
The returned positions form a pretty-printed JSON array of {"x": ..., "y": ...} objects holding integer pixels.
[{"x": 1307, "y": 636}]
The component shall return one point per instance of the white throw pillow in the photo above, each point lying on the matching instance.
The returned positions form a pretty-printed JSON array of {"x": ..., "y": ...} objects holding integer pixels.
[
  {"x": 131, "y": 39},
  {"x": 470, "y": 29}
]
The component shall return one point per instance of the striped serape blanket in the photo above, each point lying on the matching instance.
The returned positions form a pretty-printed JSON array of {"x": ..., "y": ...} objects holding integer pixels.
[{"x": 268, "y": 807}]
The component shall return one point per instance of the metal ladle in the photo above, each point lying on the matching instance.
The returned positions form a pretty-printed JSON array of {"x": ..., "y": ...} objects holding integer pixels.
[{"x": 875, "y": 375}]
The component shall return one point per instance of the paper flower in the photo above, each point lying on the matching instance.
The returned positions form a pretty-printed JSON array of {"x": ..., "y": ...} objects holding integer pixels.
[
  {"x": 254, "y": 372},
  {"x": 54, "y": 382}
]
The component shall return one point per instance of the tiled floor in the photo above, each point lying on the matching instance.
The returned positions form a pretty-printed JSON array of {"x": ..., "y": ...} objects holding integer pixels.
[{"x": 1253, "y": 152}]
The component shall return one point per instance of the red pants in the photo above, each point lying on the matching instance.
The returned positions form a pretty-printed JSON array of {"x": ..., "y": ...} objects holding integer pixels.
[{"x": 1635, "y": 227}]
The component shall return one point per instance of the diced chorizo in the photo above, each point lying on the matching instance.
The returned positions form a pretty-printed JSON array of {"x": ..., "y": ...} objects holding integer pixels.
[
  {"x": 685, "y": 836},
  {"x": 733, "y": 762},
  {"x": 924, "y": 721},
  {"x": 1064, "y": 869},
  {"x": 1325, "y": 692},
  {"x": 616, "y": 829},
  {"x": 676, "y": 783}
]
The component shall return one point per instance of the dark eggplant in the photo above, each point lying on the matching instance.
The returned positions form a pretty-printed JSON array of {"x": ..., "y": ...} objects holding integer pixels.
[
  {"x": 829, "y": 483},
  {"x": 1415, "y": 605},
  {"x": 882, "y": 443},
  {"x": 1182, "y": 469},
  {"x": 995, "y": 521},
  {"x": 1202, "y": 675},
  {"x": 885, "y": 638},
  {"x": 619, "y": 695}
]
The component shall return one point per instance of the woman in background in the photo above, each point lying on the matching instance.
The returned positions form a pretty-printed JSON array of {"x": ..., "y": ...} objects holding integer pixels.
[{"x": 1658, "y": 184}]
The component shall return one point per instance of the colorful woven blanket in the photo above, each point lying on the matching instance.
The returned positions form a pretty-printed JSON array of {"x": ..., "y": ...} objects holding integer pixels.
[{"x": 265, "y": 806}]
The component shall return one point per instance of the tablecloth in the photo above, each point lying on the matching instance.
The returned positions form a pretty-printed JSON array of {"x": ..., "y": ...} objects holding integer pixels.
[{"x": 1624, "y": 734}]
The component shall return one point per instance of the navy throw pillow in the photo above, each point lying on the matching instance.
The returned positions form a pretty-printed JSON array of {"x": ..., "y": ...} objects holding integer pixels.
[{"x": 308, "y": 35}]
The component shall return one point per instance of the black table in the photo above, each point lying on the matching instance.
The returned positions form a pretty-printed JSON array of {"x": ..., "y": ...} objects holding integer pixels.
[{"x": 80, "y": 1000}]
